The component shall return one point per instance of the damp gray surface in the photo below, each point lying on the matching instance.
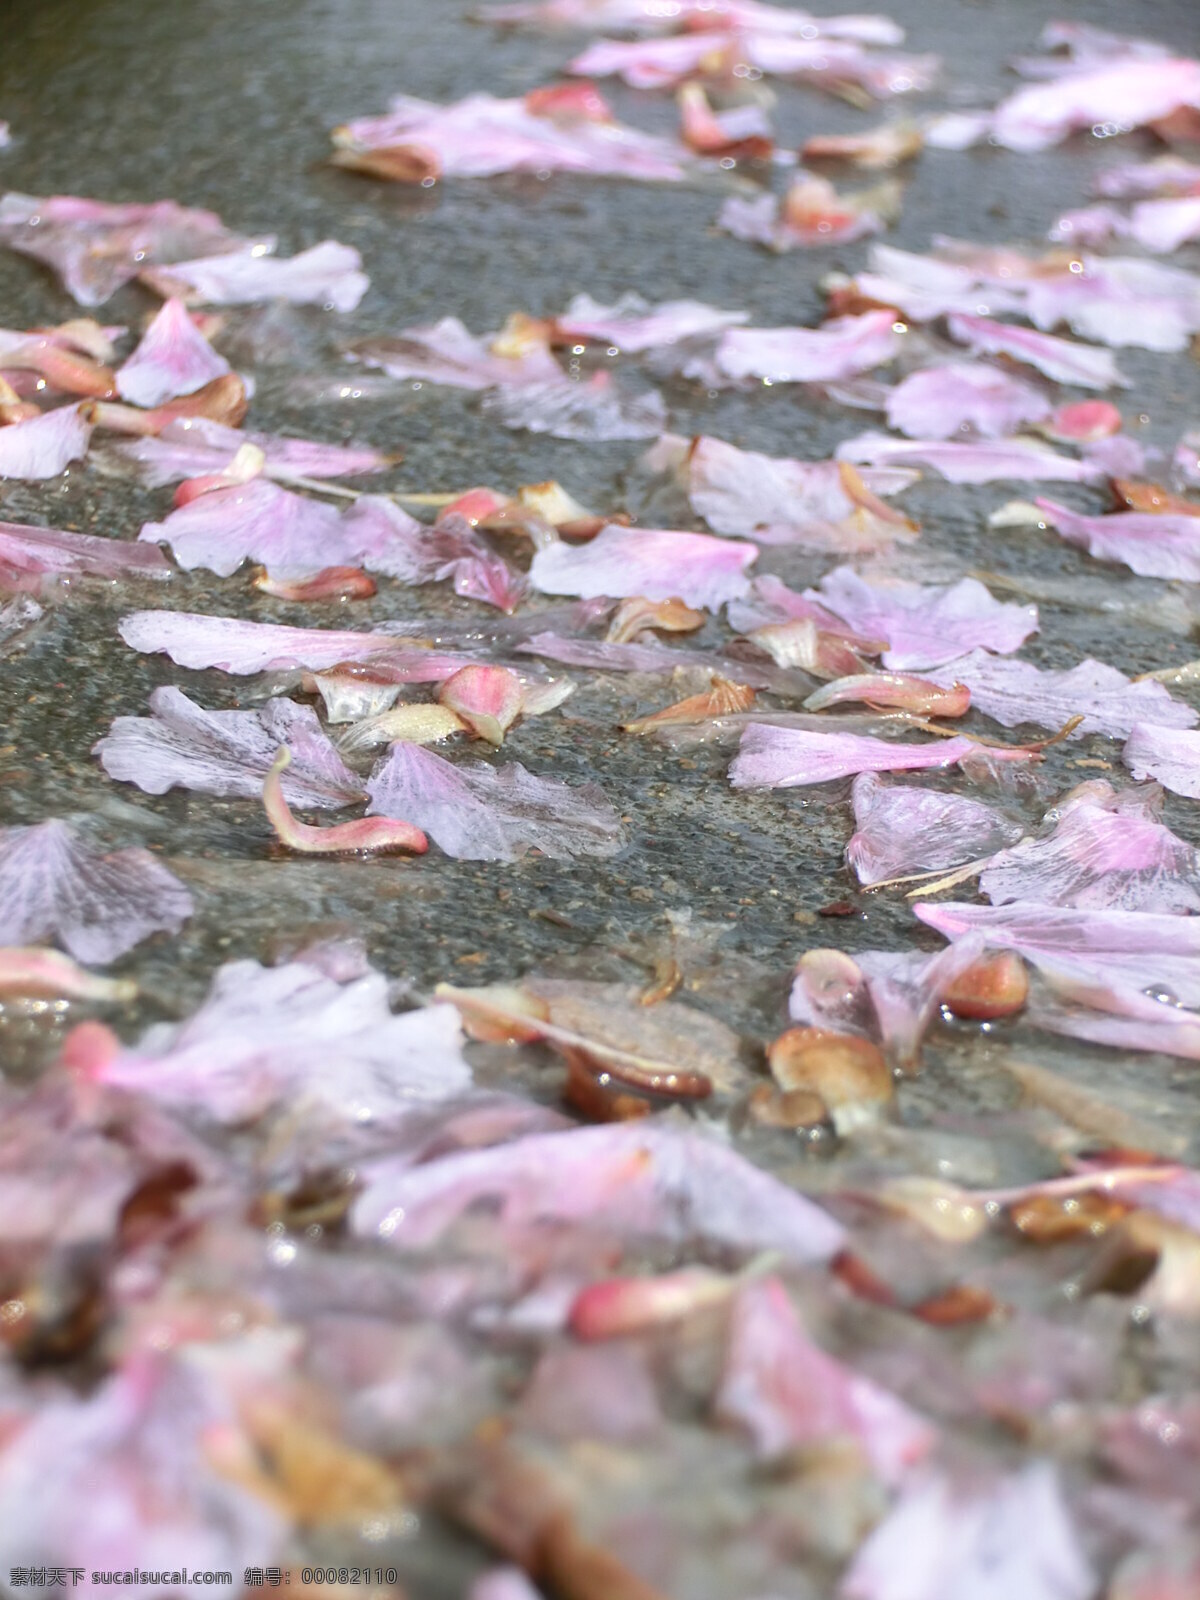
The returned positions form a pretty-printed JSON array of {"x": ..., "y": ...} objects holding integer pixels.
[{"x": 229, "y": 106}]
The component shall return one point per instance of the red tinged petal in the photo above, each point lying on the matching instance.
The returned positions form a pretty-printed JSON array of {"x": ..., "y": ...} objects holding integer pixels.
[
  {"x": 1084, "y": 420},
  {"x": 366, "y": 835},
  {"x": 620, "y": 1306},
  {"x": 488, "y": 699},
  {"x": 332, "y": 583},
  {"x": 897, "y": 691}
]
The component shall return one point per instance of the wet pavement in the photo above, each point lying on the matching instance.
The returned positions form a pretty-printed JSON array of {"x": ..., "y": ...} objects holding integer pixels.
[{"x": 229, "y": 106}]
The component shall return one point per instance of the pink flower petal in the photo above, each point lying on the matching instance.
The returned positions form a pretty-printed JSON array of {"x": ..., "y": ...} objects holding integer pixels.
[
  {"x": 196, "y": 639},
  {"x": 446, "y": 352},
  {"x": 255, "y": 521},
  {"x": 1016, "y": 692},
  {"x": 787, "y": 758},
  {"x": 839, "y": 349},
  {"x": 53, "y": 552},
  {"x": 633, "y": 325},
  {"x": 194, "y": 447},
  {"x": 591, "y": 409},
  {"x": 1156, "y": 546},
  {"x": 96, "y": 247},
  {"x": 481, "y": 135},
  {"x": 641, "y": 1177},
  {"x": 788, "y": 1394},
  {"x": 976, "y": 461},
  {"x": 661, "y": 565},
  {"x": 925, "y": 626},
  {"x": 226, "y": 753},
  {"x": 939, "y": 402},
  {"x": 328, "y": 274},
  {"x": 945, "y": 1539},
  {"x": 269, "y": 1034},
  {"x": 1086, "y": 366},
  {"x": 42, "y": 447},
  {"x": 481, "y": 813},
  {"x": 777, "y": 500},
  {"x": 55, "y": 885},
  {"x": 1166, "y": 754},
  {"x": 907, "y": 830},
  {"x": 1099, "y": 858},
  {"x": 173, "y": 358}
]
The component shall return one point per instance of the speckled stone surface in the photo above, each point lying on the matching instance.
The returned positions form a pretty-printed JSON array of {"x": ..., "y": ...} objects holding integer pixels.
[{"x": 229, "y": 105}]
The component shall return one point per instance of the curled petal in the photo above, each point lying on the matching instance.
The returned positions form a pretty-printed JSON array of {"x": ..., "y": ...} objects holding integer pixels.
[
  {"x": 668, "y": 616},
  {"x": 332, "y": 583},
  {"x": 896, "y": 690},
  {"x": 364, "y": 834},
  {"x": 223, "y": 400},
  {"x": 722, "y": 700},
  {"x": 802, "y": 644},
  {"x": 414, "y": 724}
]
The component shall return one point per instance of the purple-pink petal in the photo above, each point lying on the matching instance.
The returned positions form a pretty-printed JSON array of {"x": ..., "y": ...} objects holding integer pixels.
[
  {"x": 226, "y": 753},
  {"x": 55, "y": 887},
  {"x": 477, "y": 812},
  {"x": 1014, "y": 692}
]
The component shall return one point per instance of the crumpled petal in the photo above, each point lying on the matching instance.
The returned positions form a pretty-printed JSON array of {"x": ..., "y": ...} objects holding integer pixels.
[
  {"x": 654, "y": 562},
  {"x": 226, "y": 753},
  {"x": 173, "y": 358},
  {"x": 55, "y": 886},
  {"x": 269, "y": 1034},
  {"x": 481, "y": 813}
]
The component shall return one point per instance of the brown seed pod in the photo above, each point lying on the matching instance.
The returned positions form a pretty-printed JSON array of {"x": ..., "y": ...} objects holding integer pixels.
[{"x": 846, "y": 1072}]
